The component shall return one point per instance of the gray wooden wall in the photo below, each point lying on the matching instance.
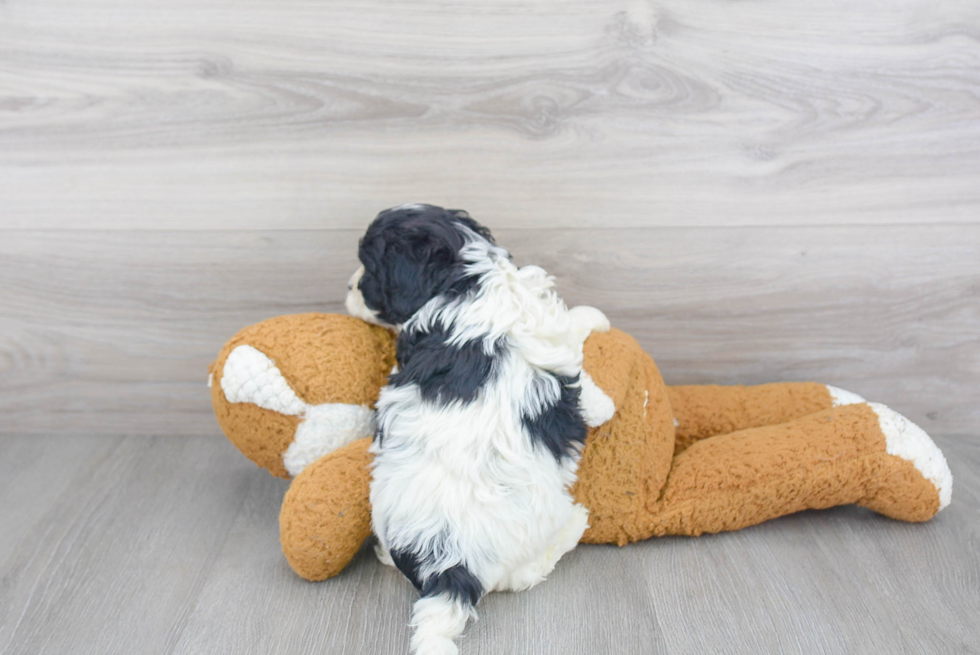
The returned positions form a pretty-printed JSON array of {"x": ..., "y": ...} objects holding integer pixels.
[{"x": 758, "y": 191}]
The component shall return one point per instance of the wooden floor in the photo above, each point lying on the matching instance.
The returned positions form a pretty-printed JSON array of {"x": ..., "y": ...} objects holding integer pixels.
[{"x": 170, "y": 545}]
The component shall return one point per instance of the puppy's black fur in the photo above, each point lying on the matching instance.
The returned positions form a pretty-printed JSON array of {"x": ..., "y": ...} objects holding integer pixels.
[
  {"x": 457, "y": 581},
  {"x": 445, "y": 373},
  {"x": 411, "y": 255},
  {"x": 559, "y": 428}
]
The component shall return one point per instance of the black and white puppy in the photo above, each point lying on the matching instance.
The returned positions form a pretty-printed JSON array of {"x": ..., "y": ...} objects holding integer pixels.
[{"x": 481, "y": 426}]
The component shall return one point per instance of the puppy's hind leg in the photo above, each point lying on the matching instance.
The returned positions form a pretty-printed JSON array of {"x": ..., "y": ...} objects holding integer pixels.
[
  {"x": 383, "y": 555},
  {"x": 538, "y": 569}
]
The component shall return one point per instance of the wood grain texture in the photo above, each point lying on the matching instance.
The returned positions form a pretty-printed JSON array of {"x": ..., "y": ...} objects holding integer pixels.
[
  {"x": 757, "y": 191},
  {"x": 112, "y": 332},
  {"x": 142, "y": 545},
  {"x": 216, "y": 114}
]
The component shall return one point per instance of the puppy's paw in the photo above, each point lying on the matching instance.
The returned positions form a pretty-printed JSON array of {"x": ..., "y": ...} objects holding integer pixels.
[
  {"x": 595, "y": 405},
  {"x": 572, "y": 533},
  {"x": 589, "y": 319},
  {"x": 538, "y": 569},
  {"x": 383, "y": 556}
]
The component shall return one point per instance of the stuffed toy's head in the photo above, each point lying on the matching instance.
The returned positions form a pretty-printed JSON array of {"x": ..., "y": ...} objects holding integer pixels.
[{"x": 314, "y": 394}]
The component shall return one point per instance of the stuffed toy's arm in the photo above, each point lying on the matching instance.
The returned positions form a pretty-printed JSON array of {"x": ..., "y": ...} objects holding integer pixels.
[{"x": 595, "y": 405}]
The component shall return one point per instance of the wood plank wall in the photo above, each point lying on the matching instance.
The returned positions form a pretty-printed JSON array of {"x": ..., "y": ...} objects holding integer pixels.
[{"x": 757, "y": 191}]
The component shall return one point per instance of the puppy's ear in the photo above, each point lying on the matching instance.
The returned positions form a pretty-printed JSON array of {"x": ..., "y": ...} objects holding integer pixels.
[
  {"x": 416, "y": 270},
  {"x": 464, "y": 218},
  {"x": 407, "y": 265},
  {"x": 411, "y": 254}
]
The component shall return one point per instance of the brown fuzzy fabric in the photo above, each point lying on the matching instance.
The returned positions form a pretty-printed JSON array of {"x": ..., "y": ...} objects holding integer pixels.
[
  {"x": 325, "y": 358},
  {"x": 742, "y": 455},
  {"x": 833, "y": 457},
  {"x": 897, "y": 490},
  {"x": 326, "y": 514},
  {"x": 627, "y": 459},
  {"x": 609, "y": 358},
  {"x": 706, "y": 410},
  {"x": 262, "y": 435}
]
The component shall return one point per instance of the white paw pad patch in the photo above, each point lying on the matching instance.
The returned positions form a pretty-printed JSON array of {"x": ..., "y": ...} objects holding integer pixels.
[{"x": 905, "y": 439}]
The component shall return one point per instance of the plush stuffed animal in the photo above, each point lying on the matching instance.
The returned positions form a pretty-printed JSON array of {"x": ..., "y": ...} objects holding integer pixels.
[{"x": 295, "y": 395}]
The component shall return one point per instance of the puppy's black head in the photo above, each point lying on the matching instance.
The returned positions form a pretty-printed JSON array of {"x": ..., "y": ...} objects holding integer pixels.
[{"x": 411, "y": 255}]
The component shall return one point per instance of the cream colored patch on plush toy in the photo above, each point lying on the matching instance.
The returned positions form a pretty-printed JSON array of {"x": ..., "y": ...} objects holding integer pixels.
[
  {"x": 249, "y": 376},
  {"x": 905, "y": 439},
  {"x": 324, "y": 429}
]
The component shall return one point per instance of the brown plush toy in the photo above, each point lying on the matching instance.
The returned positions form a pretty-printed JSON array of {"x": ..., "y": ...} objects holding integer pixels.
[{"x": 295, "y": 394}]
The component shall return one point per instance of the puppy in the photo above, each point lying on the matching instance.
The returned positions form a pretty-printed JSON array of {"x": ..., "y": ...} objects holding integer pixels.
[{"x": 480, "y": 428}]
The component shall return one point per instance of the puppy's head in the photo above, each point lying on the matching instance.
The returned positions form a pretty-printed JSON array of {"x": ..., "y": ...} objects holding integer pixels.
[{"x": 409, "y": 255}]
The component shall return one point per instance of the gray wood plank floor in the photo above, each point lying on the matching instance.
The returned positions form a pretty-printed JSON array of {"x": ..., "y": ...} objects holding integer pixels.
[
  {"x": 170, "y": 545},
  {"x": 757, "y": 191}
]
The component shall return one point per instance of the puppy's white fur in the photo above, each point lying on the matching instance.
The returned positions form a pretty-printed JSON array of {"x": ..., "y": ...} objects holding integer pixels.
[
  {"x": 354, "y": 303},
  {"x": 463, "y": 481}
]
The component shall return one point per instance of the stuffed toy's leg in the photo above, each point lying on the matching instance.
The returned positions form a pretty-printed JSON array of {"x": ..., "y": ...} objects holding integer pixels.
[
  {"x": 326, "y": 514},
  {"x": 861, "y": 453},
  {"x": 703, "y": 411}
]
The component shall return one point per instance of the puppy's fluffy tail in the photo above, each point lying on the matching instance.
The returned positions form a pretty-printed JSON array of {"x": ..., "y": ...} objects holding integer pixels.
[{"x": 437, "y": 621}]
